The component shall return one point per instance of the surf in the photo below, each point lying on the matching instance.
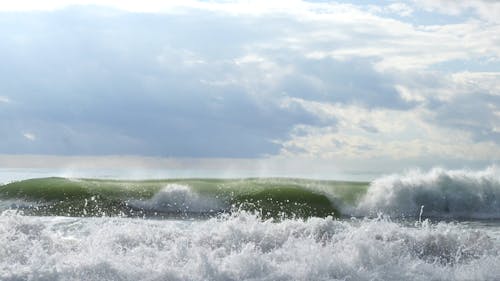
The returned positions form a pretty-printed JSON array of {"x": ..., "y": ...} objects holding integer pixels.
[
  {"x": 242, "y": 246},
  {"x": 177, "y": 198},
  {"x": 438, "y": 193}
]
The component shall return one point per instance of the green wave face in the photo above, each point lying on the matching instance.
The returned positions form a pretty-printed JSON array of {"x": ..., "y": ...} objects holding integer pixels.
[
  {"x": 287, "y": 201},
  {"x": 271, "y": 198},
  {"x": 81, "y": 197}
]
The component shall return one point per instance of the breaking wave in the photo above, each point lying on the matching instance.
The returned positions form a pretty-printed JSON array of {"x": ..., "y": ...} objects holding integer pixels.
[
  {"x": 439, "y": 193},
  {"x": 442, "y": 193},
  {"x": 241, "y": 246},
  {"x": 253, "y": 229}
]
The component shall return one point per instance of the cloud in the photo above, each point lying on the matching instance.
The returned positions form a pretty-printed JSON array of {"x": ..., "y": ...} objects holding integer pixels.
[
  {"x": 328, "y": 81},
  {"x": 409, "y": 47},
  {"x": 389, "y": 134},
  {"x": 4, "y": 99},
  {"x": 454, "y": 116},
  {"x": 134, "y": 93},
  {"x": 29, "y": 136},
  {"x": 486, "y": 9},
  {"x": 400, "y": 8}
]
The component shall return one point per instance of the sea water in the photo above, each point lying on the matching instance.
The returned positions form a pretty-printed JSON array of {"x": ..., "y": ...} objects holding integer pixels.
[{"x": 439, "y": 225}]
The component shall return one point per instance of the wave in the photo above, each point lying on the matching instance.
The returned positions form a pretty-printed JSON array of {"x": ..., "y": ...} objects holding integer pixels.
[
  {"x": 438, "y": 193},
  {"x": 174, "y": 198},
  {"x": 242, "y": 246}
]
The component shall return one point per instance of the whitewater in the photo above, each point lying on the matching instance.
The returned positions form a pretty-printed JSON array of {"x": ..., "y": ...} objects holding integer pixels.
[{"x": 434, "y": 225}]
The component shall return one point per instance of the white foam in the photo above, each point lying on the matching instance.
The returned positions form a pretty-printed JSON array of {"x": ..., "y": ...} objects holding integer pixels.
[
  {"x": 443, "y": 193},
  {"x": 241, "y": 247}
]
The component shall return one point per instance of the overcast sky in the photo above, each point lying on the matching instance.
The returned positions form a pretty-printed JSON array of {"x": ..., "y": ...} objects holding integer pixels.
[{"x": 347, "y": 84}]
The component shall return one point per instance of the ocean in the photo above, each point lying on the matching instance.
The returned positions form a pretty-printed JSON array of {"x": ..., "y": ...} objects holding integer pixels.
[{"x": 435, "y": 225}]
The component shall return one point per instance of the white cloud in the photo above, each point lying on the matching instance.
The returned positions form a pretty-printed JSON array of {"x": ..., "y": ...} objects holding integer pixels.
[
  {"x": 400, "y": 9},
  {"x": 419, "y": 47},
  {"x": 29, "y": 136},
  {"x": 366, "y": 134},
  {"x": 346, "y": 65},
  {"x": 394, "y": 44},
  {"x": 4, "y": 99},
  {"x": 486, "y": 82},
  {"x": 256, "y": 7},
  {"x": 409, "y": 95},
  {"x": 173, "y": 58},
  {"x": 487, "y": 9},
  {"x": 27, "y": 5}
]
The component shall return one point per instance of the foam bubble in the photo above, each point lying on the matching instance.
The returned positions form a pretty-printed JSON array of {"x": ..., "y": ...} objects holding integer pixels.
[{"x": 242, "y": 246}]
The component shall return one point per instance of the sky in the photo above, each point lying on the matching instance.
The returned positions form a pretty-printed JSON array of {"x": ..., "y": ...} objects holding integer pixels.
[{"x": 298, "y": 88}]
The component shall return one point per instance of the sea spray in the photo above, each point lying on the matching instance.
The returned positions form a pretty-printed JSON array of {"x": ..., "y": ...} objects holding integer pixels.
[
  {"x": 178, "y": 198},
  {"x": 90, "y": 229},
  {"x": 242, "y": 246},
  {"x": 420, "y": 214},
  {"x": 445, "y": 194},
  {"x": 450, "y": 194}
]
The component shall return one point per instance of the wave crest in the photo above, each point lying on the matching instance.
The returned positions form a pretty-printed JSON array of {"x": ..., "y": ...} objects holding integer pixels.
[{"x": 443, "y": 193}]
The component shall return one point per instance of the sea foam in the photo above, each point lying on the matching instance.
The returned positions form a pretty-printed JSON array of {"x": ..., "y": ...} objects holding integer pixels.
[{"x": 242, "y": 246}]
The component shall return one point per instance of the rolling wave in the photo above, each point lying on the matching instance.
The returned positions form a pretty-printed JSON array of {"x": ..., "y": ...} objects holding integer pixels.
[
  {"x": 173, "y": 198},
  {"x": 439, "y": 193}
]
